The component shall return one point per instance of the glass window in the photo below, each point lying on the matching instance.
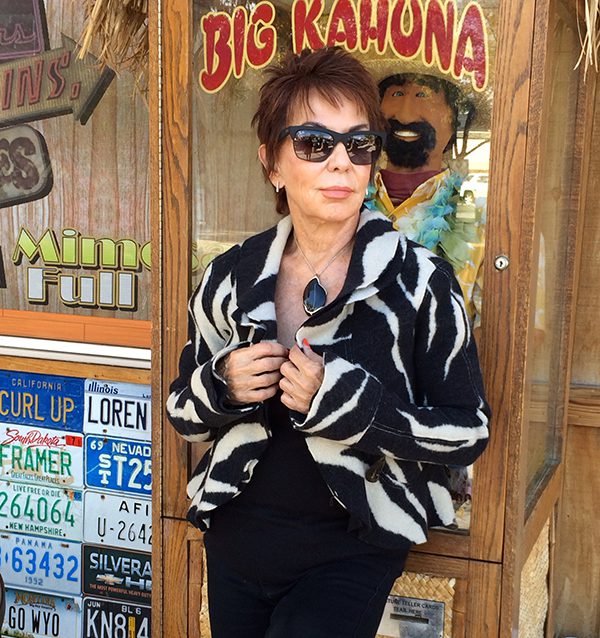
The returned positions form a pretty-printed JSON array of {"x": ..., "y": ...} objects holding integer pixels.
[
  {"x": 74, "y": 196},
  {"x": 433, "y": 59},
  {"x": 546, "y": 372}
]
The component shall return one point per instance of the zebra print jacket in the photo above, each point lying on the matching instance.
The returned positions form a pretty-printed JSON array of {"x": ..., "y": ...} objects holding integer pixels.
[{"x": 401, "y": 398}]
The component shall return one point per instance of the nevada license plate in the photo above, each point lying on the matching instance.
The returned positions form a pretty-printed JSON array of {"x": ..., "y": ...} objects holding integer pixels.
[
  {"x": 37, "y": 455},
  {"x": 39, "y": 509},
  {"x": 117, "y": 409},
  {"x": 121, "y": 521},
  {"x": 118, "y": 464},
  {"x": 108, "y": 619},
  {"x": 41, "y": 615},
  {"x": 40, "y": 563}
]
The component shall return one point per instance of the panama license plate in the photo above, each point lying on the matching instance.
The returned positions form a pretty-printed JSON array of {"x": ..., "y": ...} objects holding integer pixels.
[
  {"x": 41, "y": 615},
  {"x": 54, "y": 512},
  {"x": 108, "y": 619},
  {"x": 120, "y": 521},
  {"x": 37, "y": 455},
  {"x": 40, "y": 563},
  {"x": 118, "y": 464}
]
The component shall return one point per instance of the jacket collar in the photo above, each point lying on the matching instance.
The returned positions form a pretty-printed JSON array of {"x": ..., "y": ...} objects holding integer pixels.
[{"x": 378, "y": 251}]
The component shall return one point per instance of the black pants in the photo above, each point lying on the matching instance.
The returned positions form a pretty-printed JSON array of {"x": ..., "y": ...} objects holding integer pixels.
[{"x": 343, "y": 599}]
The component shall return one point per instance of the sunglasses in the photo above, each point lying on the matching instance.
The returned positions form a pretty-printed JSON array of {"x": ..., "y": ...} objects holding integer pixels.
[{"x": 317, "y": 144}]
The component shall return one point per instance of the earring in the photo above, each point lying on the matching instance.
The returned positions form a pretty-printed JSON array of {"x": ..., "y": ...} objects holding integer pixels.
[{"x": 277, "y": 187}]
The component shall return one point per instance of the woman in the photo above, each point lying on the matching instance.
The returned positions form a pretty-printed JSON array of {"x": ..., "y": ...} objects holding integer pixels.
[{"x": 331, "y": 365}]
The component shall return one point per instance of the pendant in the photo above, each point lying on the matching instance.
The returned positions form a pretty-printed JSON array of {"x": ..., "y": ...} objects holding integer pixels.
[{"x": 315, "y": 296}]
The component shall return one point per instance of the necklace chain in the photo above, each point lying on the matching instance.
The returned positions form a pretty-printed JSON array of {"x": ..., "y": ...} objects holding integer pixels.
[{"x": 339, "y": 252}]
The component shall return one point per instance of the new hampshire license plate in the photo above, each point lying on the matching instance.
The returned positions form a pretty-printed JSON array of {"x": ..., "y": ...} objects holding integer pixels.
[{"x": 39, "y": 509}]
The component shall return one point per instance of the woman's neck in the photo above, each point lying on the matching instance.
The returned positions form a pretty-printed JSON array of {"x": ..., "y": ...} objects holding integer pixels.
[{"x": 321, "y": 241}]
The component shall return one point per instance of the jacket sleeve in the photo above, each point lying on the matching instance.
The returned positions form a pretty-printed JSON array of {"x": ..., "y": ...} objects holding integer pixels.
[
  {"x": 445, "y": 422},
  {"x": 197, "y": 404}
]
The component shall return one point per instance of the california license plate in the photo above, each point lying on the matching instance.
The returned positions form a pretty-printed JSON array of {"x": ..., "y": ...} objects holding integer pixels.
[
  {"x": 41, "y": 615},
  {"x": 108, "y": 619},
  {"x": 117, "y": 409},
  {"x": 54, "y": 512},
  {"x": 121, "y": 521},
  {"x": 37, "y": 455},
  {"x": 118, "y": 464},
  {"x": 40, "y": 563}
]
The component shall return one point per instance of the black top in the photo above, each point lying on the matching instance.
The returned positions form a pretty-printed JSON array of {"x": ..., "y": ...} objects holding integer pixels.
[{"x": 285, "y": 520}]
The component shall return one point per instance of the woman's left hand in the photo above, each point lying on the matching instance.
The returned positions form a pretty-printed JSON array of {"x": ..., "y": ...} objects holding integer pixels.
[{"x": 302, "y": 375}]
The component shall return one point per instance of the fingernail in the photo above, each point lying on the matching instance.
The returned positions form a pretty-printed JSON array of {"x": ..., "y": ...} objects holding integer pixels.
[{"x": 305, "y": 343}]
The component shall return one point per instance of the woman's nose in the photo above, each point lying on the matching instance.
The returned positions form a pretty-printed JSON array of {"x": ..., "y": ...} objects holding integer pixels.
[{"x": 339, "y": 157}]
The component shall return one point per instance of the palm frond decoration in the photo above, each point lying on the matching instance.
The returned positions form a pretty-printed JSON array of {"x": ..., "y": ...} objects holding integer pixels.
[
  {"x": 590, "y": 38},
  {"x": 120, "y": 30}
]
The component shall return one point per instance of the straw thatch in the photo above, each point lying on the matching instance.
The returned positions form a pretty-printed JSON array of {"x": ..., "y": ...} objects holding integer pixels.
[
  {"x": 589, "y": 34},
  {"x": 119, "y": 29}
]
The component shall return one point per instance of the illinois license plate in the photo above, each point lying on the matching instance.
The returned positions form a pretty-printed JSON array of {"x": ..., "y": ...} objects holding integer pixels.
[
  {"x": 40, "y": 563},
  {"x": 121, "y": 521},
  {"x": 108, "y": 619},
  {"x": 37, "y": 455},
  {"x": 117, "y": 409},
  {"x": 41, "y": 615},
  {"x": 117, "y": 574},
  {"x": 55, "y": 512},
  {"x": 118, "y": 464}
]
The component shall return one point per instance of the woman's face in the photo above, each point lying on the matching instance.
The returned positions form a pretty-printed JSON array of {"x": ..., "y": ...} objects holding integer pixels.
[{"x": 332, "y": 190}]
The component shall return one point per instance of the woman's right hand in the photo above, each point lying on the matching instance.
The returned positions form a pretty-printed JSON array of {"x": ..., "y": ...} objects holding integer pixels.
[{"x": 252, "y": 374}]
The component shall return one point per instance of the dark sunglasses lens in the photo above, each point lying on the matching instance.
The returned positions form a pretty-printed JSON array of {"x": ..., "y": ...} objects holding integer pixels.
[
  {"x": 313, "y": 146},
  {"x": 363, "y": 149}
]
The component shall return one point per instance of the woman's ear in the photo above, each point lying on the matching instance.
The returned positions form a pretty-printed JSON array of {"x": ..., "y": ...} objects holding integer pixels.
[{"x": 262, "y": 156}]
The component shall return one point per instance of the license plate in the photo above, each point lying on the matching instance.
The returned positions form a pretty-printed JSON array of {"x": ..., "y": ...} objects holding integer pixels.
[
  {"x": 117, "y": 409},
  {"x": 39, "y": 509},
  {"x": 107, "y": 619},
  {"x": 41, "y": 615},
  {"x": 40, "y": 563},
  {"x": 117, "y": 574},
  {"x": 37, "y": 455},
  {"x": 118, "y": 464},
  {"x": 121, "y": 521},
  {"x": 41, "y": 400}
]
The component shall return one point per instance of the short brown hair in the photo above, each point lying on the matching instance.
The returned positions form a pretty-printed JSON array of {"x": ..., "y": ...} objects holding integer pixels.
[{"x": 332, "y": 73}]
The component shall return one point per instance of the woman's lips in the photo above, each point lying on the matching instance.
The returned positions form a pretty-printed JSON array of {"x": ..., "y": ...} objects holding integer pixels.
[
  {"x": 337, "y": 192},
  {"x": 407, "y": 135}
]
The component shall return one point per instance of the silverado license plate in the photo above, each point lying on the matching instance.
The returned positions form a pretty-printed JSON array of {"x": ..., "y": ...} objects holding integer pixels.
[
  {"x": 40, "y": 563},
  {"x": 37, "y": 455},
  {"x": 121, "y": 521},
  {"x": 40, "y": 509},
  {"x": 108, "y": 619},
  {"x": 118, "y": 464},
  {"x": 41, "y": 615},
  {"x": 117, "y": 574}
]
